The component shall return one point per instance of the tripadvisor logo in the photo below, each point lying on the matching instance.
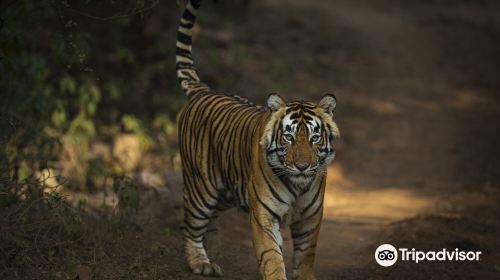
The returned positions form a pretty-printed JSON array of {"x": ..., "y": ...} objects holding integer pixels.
[{"x": 387, "y": 255}]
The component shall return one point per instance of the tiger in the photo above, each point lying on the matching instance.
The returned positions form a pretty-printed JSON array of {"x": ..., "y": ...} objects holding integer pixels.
[{"x": 270, "y": 161}]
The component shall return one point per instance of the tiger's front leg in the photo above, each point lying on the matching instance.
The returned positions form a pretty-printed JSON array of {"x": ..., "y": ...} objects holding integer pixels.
[
  {"x": 305, "y": 237},
  {"x": 266, "y": 236},
  {"x": 305, "y": 231}
]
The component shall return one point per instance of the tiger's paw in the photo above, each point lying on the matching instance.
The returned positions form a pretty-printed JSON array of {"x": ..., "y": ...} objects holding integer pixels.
[{"x": 207, "y": 269}]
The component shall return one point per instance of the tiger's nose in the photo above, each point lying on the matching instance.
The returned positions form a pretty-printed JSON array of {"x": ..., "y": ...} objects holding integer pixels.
[{"x": 302, "y": 165}]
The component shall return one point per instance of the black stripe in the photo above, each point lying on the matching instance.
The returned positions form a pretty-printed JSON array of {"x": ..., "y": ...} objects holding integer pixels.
[
  {"x": 315, "y": 211},
  {"x": 276, "y": 216},
  {"x": 307, "y": 118},
  {"x": 273, "y": 192},
  {"x": 188, "y": 211},
  {"x": 278, "y": 149},
  {"x": 323, "y": 150},
  {"x": 186, "y": 65},
  {"x": 184, "y": 38},
  {"x": 267, "y": 251},
  {"x": 183, "y": 52},
  {"x": 196, "y": 3},
  {"x": 296, "y": 235},
  {"x": 188, "y": 16},
  {"x": 315, "y": 198},
  {"x": 196, "y": 228},
  {"x": 287, "y": 184},
  {"x": 308, "y": 111}
]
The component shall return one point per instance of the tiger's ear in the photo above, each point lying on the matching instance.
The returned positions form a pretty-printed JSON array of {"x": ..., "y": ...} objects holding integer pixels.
[
  {"x": 275, "y": 102},
  {"x": 328, "y": 103}
]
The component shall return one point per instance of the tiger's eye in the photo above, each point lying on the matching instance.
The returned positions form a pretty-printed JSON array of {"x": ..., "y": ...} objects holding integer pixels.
[{"x": 288, "y": 137}]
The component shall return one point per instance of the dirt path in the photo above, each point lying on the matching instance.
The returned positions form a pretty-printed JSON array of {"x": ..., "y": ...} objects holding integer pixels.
[{"x": 418, "y": 109}]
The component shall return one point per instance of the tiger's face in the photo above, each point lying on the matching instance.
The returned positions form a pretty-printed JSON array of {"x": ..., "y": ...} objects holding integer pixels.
[{"x": 299, "y": 137}]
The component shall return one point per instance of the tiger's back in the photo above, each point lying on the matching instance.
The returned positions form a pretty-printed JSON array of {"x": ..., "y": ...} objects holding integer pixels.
[{"x": 216, "y": 134}]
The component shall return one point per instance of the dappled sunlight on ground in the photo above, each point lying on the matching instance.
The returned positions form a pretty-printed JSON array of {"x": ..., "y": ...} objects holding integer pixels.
[
  {"x": 376, "y": 105},
  {"x": 345, "y": 200},
  {"x": 469, "y": 99}
]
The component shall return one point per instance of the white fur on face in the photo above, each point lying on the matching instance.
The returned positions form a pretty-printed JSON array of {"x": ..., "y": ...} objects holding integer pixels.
[
  {"x": 320, "y": 121},
  {"x": 288, "y": 126},
  {"x": 311, "y": 125}
]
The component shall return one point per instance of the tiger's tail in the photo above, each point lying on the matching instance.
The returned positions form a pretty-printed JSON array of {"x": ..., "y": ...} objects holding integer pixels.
[{"x": 186, "y": 71}]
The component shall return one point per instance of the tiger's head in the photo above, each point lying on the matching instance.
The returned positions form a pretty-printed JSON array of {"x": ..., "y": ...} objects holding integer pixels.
[{"x": 298, "y": 138}]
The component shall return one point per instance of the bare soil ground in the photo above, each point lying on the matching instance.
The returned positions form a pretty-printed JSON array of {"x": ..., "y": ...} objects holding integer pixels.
[{"x": 419, "y": 109}]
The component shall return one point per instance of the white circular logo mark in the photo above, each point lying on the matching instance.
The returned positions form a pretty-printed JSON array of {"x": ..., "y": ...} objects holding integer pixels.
[{"x": 386, "y": 255}]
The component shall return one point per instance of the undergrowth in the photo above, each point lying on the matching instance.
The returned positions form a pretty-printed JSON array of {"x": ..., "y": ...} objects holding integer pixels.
[{"x": 43, "y": 236}]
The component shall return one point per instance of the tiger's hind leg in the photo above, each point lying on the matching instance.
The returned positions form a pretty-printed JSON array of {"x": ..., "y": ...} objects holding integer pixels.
[
  {"x": 211, "y": 240},
  {"x": 199, "y": 211},
  {"x": 198, "y": 238}
]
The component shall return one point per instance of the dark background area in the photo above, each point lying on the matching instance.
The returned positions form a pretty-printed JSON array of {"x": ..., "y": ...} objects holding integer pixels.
[{"x": 89, "y": 171}]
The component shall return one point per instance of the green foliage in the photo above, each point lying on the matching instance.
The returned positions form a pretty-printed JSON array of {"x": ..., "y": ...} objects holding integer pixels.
[
  {"x": 166, "y": 130},
  {"x": 134, "y": 125},
  {"x": 164, "y": 124},
  {"x": 82, "y": 76},
  {"x": 38, "y": 93},
  {"x": 73, "y": 76}
]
